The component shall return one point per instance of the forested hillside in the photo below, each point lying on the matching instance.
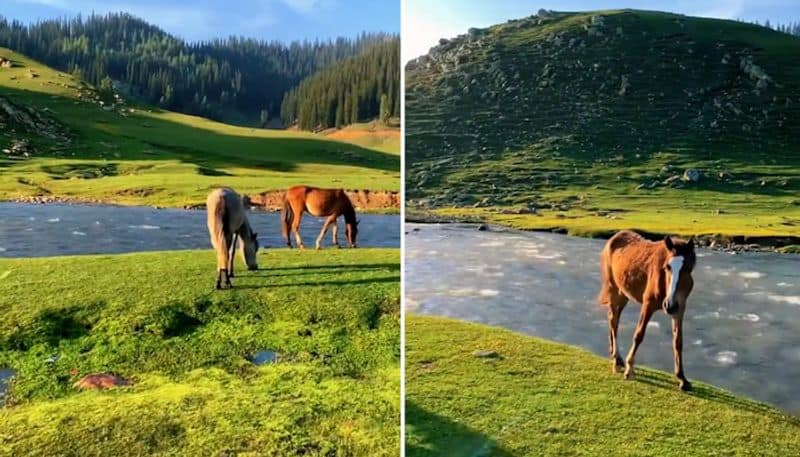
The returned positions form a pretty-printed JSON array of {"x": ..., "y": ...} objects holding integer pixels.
[
  {"x": 240, "y": 77},
  {"x": 359, "y": 88}
]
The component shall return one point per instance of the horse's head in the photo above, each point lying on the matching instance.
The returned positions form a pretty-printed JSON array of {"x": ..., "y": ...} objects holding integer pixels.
[
  {"x": 677, "y": 268},
  {"x": 250, "y": 249},
  {"x": 352, "y": 231}
]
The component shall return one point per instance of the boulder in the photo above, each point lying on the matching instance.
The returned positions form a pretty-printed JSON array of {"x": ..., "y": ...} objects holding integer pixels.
[{"x": 691, "y": 175}]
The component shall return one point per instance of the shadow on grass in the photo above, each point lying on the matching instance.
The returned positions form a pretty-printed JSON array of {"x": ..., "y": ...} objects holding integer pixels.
[
  {"x": 345, "y": 268},
  {"x": 352, "y": 282},
  {"x": 435, "y": 435},
  {"x": 666, "y": 381}
]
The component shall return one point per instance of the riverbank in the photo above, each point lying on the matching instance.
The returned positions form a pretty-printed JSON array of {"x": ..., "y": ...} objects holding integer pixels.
[
  {"x": 365, "y": 201},
  {"x": 199, "y": 383},
  {"x": 472, "y": 387},
  {"x": 785, "y": 242}
]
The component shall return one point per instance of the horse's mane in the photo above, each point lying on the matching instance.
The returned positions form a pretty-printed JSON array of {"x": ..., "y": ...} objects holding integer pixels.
[{"x": 686, "y": 249}]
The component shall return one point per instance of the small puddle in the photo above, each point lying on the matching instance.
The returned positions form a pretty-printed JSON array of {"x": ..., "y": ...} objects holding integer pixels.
[
  {"x": 5, "y": 376},
  {"x": 264, "y": 357}
]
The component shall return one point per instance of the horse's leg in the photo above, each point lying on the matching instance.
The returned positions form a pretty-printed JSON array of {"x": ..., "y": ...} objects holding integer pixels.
[
  {"x": 336, "y": 234},
  {"x": 638, "y": 336},
  {"x": 298, "y": 216},
  {"x": 228, "y": 240},
  {"x": 677, "y": 350},
  {"x": 325, "y": 230},
  {"x": 232, "y": 255},
  {"x": 615, "y": 308},
  {"x": 221, "y": 246}
]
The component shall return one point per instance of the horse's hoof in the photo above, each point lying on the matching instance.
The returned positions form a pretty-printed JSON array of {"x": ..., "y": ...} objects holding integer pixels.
[
  {"x": 616, "y": 369},
  {"x": 686, "y": 386},
  {"x": 628, "y": 374}
]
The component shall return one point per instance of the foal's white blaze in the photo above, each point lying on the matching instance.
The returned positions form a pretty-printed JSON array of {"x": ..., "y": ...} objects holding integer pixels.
[{"x": 675, "y": 264}]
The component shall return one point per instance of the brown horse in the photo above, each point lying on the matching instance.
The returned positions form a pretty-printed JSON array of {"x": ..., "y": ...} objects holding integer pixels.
[
  {"x": 655, "y": 274},
  {"x": 319, "y": 203},
  {"x": 227, "y": 220}
]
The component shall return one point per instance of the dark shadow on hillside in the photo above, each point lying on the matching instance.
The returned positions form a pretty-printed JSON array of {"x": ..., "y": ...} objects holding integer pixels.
[
  {"x": 438, "y": 436},
  {"x": 207, "y": 149},
  {"x": 666, "y": 381}
]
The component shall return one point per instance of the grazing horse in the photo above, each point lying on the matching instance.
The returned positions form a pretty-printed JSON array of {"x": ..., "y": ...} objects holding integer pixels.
[
  {"x": 227, "y": 220},
  {"x": 657, "y": 274},
  {"x": 319, "y": 203}
]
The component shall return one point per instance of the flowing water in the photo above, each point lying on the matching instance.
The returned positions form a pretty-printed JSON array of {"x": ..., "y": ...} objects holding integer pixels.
[
  {"x": 741, "y": 328},
  {"x": 30, "y": 230}
]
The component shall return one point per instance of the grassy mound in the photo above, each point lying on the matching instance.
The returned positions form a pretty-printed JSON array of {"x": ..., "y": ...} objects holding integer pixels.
[
  {"x": 541, "y": 398},
  {"x": 612, "y": 119},
  {"x": 122, "y": 153},
  {"x": 332, "y": 316}
]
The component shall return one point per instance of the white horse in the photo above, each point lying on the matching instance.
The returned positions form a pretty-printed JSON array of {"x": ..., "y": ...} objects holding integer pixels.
[{"x": 227, "y": 220}]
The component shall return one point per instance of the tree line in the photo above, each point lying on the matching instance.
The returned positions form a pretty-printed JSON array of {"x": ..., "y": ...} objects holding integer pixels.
[
  {"x": 792, "y": 28},
  {"x": 213, "y": 78},
  {"x": 359, "y": 88}
]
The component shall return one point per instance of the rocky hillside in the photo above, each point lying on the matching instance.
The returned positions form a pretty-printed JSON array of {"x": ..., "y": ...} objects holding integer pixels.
[{"x": 562, "y": 111}]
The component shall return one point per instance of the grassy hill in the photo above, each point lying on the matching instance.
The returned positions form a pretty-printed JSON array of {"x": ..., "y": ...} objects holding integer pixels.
[
  {"x": 541, "y": 398},
  {"x": 122, "y": 153},
  {"x": 604, "y": 120},
  {"x": 331, "y": 316}
]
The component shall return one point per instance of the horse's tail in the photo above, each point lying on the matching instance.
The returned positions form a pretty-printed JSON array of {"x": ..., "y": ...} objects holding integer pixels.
[
  {"x": 287, "y": 215},
  {"x": 216, "y": 215},
  {"x": 607, "y": 285}
]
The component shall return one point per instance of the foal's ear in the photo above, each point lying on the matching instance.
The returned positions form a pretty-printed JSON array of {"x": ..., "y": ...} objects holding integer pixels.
[
  {"x": 668, "y": 242},
  {"x": 691, "y": 243},
  {"x": 255, "y": 235}
]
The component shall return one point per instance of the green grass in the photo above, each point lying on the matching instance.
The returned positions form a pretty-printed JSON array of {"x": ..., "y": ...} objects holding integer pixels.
[
  {"x": 156, "y": 157},
  {"x": 532, "y": 115},
  {"x": 333, "y": 316},
  {"x": 541, "y": 398}
]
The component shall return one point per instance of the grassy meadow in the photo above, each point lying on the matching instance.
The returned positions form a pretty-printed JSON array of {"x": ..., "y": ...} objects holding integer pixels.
[
  {"x": 540, "y": 398},
  {"x": 138, "y": 155},
  {"x": 332, "y": 317}
]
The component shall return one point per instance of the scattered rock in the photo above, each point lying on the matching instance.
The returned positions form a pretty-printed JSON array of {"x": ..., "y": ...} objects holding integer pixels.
[
  {"x": 691, "y": 175},
  {"x": 486, "y": 354}
]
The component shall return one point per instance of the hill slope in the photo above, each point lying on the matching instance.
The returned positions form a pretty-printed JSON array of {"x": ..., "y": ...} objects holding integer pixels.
[
  {"x": 361, "y": 87},
  {"x": 89, "y": 146},
  {"x": 591, "y": 120},
  {"x": 541, "y": 398},
  {"x": 234, "y": 78}
]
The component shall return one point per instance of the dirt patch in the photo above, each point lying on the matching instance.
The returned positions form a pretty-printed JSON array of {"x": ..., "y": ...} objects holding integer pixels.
[
  {"x": 101, "y": 381},
  {"x": 139, "y": 191},
  {"x": 351, "y": 135},
  {"x": 272, "y": 200}
]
